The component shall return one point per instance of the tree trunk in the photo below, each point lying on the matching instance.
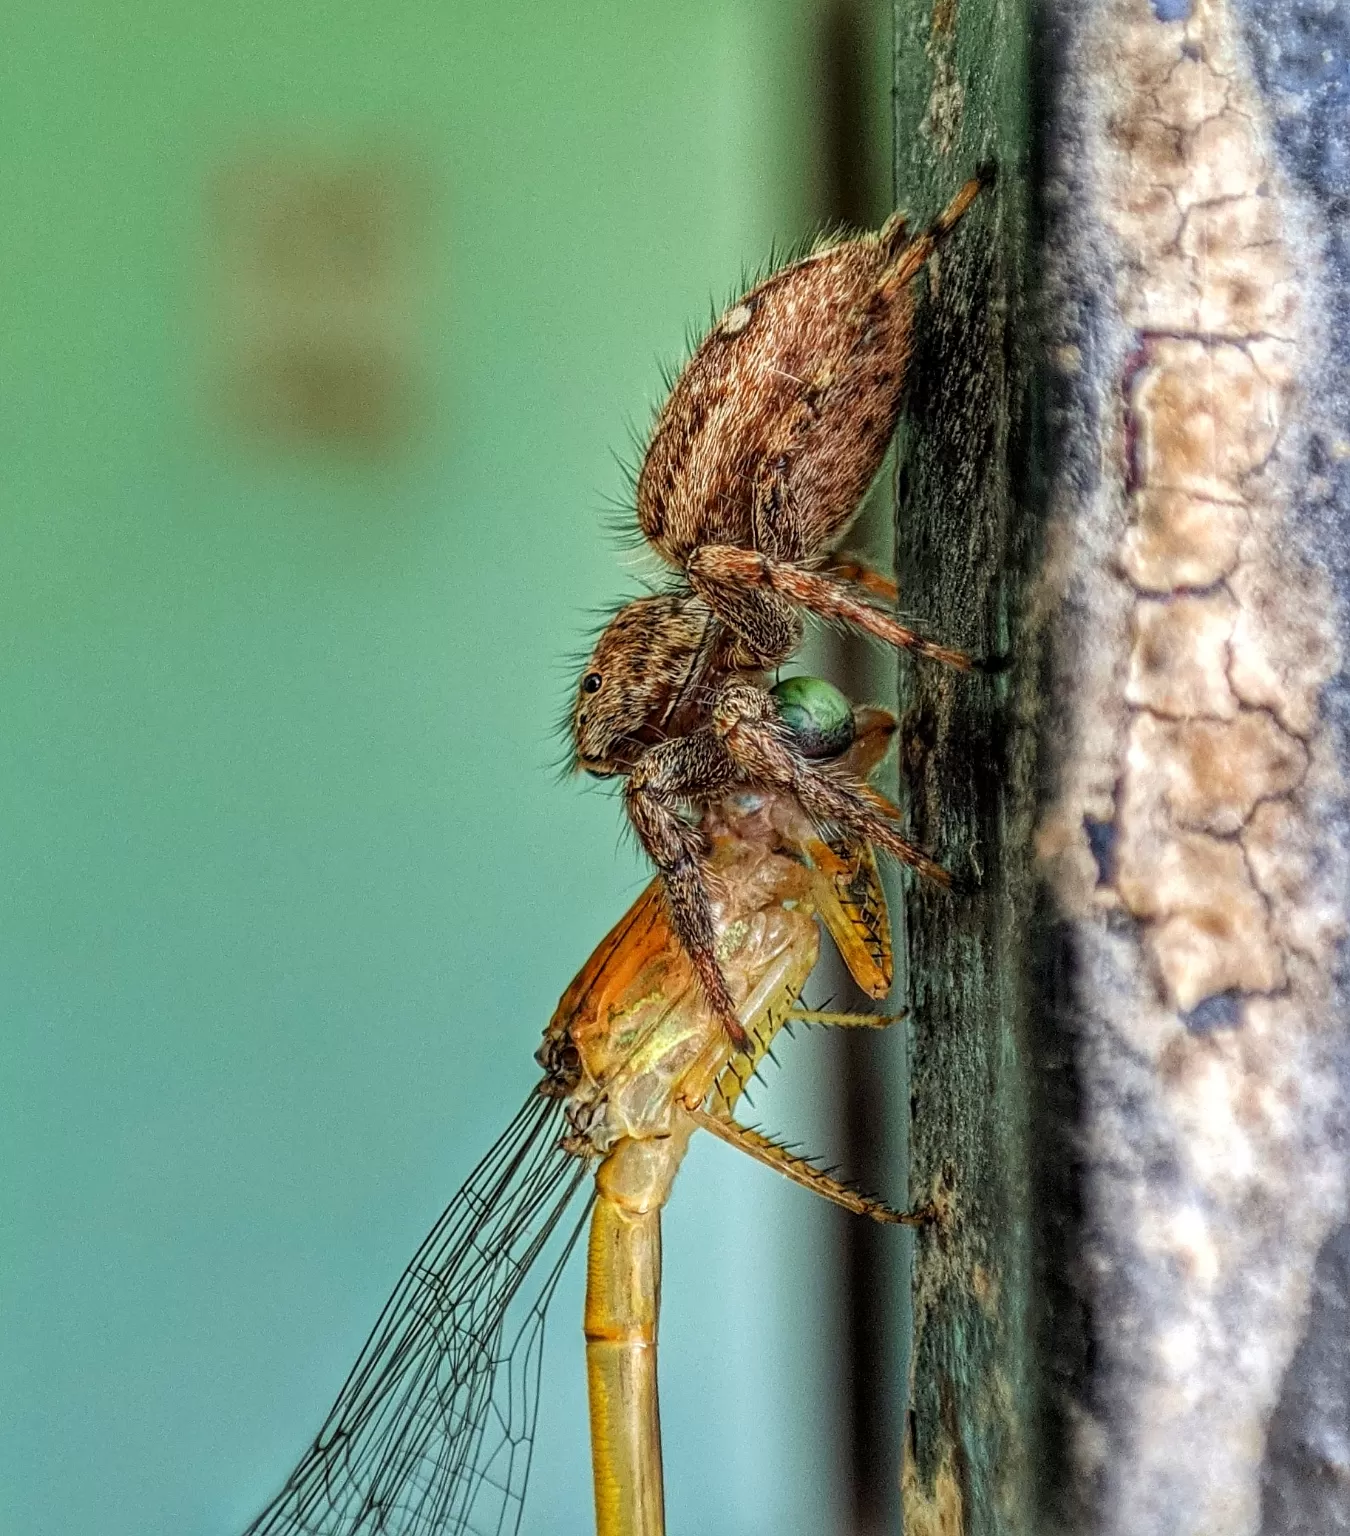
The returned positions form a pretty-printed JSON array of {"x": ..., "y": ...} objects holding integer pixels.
[
  {"x": 1130, "y": 1076},
  {"x": 965, "y": 535}
]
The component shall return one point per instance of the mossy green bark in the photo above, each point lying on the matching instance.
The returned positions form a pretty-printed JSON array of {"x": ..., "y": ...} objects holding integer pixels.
[{"x": 965, "y": 532}]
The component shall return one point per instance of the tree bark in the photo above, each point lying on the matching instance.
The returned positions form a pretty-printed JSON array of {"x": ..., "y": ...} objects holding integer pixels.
[
  {"x": 1130, "y": 1078},
  {"x": 965, "y": 536}
]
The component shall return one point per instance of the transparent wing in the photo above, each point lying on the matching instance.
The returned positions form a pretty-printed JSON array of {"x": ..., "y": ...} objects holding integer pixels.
[{"x": 432, "y": 1432}]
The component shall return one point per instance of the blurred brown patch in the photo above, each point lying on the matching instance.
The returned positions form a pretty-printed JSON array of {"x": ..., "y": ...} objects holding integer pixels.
[{"x": 317, "y": 290}]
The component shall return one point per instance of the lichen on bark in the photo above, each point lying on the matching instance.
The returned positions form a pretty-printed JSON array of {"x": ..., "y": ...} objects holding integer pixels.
[{"x": 1194, "y": 836}]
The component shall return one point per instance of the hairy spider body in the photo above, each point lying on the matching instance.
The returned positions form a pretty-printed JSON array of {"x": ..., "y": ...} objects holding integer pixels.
[
  {"x": 756, "y": 466},
  {"x": 779, "y": 420}
]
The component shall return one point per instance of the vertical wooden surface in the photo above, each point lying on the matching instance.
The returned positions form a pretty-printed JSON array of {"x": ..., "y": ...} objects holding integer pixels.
[
  {"x": 853, "y": 61},
  {"x": 965, "y": 532}
]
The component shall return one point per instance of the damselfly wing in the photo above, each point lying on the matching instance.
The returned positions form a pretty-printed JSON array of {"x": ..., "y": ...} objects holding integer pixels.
[{"x": 432, "y": 1433}]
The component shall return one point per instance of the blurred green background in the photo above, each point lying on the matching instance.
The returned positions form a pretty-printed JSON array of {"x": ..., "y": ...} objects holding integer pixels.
[{"x": 290, "y": 885}]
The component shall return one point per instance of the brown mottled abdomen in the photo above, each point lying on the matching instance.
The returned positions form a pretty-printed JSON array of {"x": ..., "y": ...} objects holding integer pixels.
[{"x": 782, "y": 416}]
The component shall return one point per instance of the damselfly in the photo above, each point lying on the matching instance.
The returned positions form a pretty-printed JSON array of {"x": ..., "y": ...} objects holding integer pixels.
[{"x": 432, "y": 1433}]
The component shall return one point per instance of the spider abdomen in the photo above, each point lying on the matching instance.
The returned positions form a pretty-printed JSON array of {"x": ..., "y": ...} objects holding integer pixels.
[{"x": 781, "y": 418}]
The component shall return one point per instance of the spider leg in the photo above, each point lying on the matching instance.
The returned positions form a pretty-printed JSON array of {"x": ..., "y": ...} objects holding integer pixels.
[
  {"x": 845, "y": 1020},
  {"x": 914, "y": 255},
  {"x": 852, "y": 569},
  {"x": 856, "y": 571},
  {"x": 766, "y": 624},
  {"x": 745, "y": 718},
  {"x": 717, "y": 568},
  {"x": 666, "y": 777}
]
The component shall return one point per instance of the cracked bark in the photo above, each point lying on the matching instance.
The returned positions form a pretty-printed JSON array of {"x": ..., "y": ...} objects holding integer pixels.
[
  {"x": 1130, "y": 1047},
  {"x": 1192, "y": 839}
]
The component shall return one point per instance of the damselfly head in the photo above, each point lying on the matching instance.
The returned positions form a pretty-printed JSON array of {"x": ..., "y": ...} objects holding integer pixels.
[
  {"x": 819, "y": 717},
  {"x": 561, "y": 1062}
]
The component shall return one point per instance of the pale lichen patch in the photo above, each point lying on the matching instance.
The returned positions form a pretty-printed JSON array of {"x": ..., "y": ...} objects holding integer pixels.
[
  {"x": 1217, "y": 938},
  {"x": 1225, "y": 159},
  {"x": 1177, "y": 541},
  {"x": 1222, "y": 676},
  {"x": 1283, "y": 855},
  {"x": 1281, "y": 653},
  {"x": 1179, "y": 658},
  {"x": 1206, "y": 928},
  {"x": 1205, "y": 416},
  {"x": 1246, "y": 289},
  {"x": 1188, "y": 846},
  {"x": 1225, "y": 653},
  {"x": 1212, "y": 774}
]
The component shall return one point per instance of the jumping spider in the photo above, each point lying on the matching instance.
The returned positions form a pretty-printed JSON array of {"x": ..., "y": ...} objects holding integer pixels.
[{"x": 756, "y": 467}]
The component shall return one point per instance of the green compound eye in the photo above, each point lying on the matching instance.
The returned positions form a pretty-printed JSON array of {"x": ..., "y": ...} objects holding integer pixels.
[{"x": 818, "y": 715}]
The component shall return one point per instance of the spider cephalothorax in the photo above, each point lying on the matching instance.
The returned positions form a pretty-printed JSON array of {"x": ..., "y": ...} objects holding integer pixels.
[
  {"x": 641, "y": 681},
  {"x": 755, "y": 469}
]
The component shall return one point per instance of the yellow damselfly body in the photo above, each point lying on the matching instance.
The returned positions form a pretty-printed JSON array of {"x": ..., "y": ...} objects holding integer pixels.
[{"x": 432, "y": 1433}]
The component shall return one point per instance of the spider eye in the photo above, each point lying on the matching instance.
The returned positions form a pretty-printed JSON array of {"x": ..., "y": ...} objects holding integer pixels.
[{"x": 591, "y": 682}]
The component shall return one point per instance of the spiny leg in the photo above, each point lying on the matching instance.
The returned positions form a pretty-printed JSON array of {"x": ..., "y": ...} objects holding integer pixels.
[
  {"x": 857, "y": 573},
  {"x": 773, "y": 1155},
  {"x": 685, "y": 767},
  {"x": 835, "y": 600},
  {"x": 912, "y": 257},
  {"x": 845, "y": 1020},
  {"x": 715, "y": 569},
  {"x": 745, "y": 719},
  {"x": 851, "y": 902},
  {"x": 766, "y": 624}
]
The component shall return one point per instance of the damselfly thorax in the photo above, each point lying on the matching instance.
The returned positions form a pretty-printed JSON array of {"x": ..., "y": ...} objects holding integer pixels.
[{"x": 633, "y": 1041}]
